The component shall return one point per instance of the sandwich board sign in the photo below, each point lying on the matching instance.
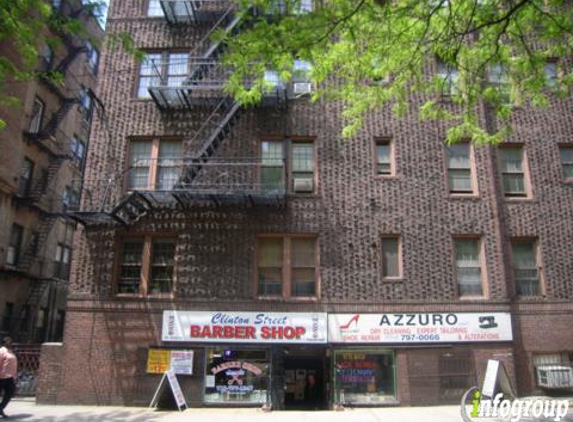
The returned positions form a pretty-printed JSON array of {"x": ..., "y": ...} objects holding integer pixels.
[
  {"x": 169, "y": 381},
  {"x": 496, "y": 376}
]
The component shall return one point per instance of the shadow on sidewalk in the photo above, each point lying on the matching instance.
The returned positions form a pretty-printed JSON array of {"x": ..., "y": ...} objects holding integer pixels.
[{"x": 87, "y": 416}]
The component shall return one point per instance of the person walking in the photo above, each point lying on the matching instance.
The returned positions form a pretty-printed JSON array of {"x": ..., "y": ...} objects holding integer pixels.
[{"x": 8, "y": 374}]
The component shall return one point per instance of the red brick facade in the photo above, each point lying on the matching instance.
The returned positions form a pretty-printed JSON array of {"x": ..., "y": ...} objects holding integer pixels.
[{"x": 107, "y": 337}]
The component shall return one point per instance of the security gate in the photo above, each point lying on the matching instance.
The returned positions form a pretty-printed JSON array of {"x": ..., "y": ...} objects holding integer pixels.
[{"x": 28, "y": 368}]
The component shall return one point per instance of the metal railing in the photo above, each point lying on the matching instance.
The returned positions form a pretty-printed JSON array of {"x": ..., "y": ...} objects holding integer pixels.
[{"x": 202, "y": 177}]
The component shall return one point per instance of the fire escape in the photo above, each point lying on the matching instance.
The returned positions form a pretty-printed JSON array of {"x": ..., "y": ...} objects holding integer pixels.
[
  {"x": 201, "y": 178},
  {"x": 39, "y": 195}
]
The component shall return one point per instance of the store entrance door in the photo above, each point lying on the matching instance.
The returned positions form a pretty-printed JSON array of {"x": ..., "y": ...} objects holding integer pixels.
[{"x": 306, "y": 372}]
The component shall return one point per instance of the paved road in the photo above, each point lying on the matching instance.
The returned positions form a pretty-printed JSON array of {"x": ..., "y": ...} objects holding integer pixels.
[{"x": 26, "y": 410}]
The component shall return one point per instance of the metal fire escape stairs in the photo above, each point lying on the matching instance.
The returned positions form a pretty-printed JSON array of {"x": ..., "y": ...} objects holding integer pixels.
[{"x": 136, "y": 204}]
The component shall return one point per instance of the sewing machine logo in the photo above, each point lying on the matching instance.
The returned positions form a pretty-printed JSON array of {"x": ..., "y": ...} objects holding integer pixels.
[{"x": 487, "y": 322}]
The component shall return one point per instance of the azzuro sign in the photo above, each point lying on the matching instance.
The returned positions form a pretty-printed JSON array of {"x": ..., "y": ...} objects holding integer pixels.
[
  {"x": 244, "y": 327},
  {"x": 419, "y": 328}
]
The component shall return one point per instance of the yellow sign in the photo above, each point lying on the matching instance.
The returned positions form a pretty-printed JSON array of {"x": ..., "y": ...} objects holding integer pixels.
[{"x": 158, "y": 361}]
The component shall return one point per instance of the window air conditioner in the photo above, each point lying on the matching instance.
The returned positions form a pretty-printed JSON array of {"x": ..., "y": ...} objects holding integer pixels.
[
  {"x": 301, "y": 88},
  {"x": 555, "y": 376},
  {"x": 303, "y": 185}
]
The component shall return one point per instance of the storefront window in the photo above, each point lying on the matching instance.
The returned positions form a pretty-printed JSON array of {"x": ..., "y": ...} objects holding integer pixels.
[
  {"x": 364, "y": 377},
  {"x": 236, "y": 376}
]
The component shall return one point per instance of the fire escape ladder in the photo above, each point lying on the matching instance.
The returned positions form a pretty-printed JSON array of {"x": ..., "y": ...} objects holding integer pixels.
[
  {"x": 46, "y": 177},
  {"x": 50, "y": 128},
  {"x": 73, "y": 52},
  {"x": 37, "y": 243},
  {"x": 231, "y": 111},
  {"x": 24, "y": 328}
]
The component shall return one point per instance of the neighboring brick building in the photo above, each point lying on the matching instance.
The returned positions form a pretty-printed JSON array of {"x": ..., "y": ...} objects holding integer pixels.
[
  {"x": 44, "y": 144},
  {"x": 302, "y": 269}
]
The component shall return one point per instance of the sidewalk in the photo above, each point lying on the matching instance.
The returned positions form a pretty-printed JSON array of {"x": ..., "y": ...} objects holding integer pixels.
[{"x": 26, "y": 410}]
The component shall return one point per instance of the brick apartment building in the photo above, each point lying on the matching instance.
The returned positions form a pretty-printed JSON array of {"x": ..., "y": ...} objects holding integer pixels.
[
  {"x": 44, "y": 147},
  {"x": 301, "y": 269}
]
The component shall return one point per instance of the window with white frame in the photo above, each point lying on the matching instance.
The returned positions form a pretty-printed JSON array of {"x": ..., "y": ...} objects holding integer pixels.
[
  {"x": 513, "y": 172},
  {"x": 78, "y": 148},
  {"x": 498, "y": 79},
  {"x": 525, "y": 267},
  {"x": 154, "y": 9},
  {"x": 468, "y": 267},
  {"x": 551, "y": 74},
  {"x": 459, "y": 169},
  {"x": 86, "y": 105},
  {"x": 384, "y": 157},
  {"x": 566, "y": 156},
  {"x": 92, "y": 57},
  {"x": 448, "y": 74},
  {"x": 15, "y": 244},
  {"x": 391, "y": 257},
  {"x": 37, "y": 116},
  {"x": 62, "y": 261},
  {"x": 154, "y": 164},
  {"x": 162, "y": 69}
]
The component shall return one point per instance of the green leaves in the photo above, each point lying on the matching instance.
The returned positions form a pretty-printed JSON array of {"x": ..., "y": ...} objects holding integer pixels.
[{"x": 372, "y": 54}]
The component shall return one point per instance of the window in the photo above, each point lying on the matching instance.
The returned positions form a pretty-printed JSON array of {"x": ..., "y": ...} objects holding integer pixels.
[
  {"x": 7, "y": 316},
  {"x": 468, "y": 267},
  {"x": 71, "y": 197},
  {"x": 273, "y": 81},
  {"x": 301, "y": 165},
  {"x": 238, "y": 375},
  {"x": 566, "y": 155},
  {"x": 86, "y": 105},
  {"x": 154, "y": 9},
  {"x": 287, "y": 267},
  {"x": 448, "y": 74},
  {"x": 272, "y": 165},
  {"x": 512, "y": 172},
  {"x": 41, "y": 325},
  {"x": 153, "y": 164},
  {"x": 367, "y": 376},
  {"x": 162, "y": 69},
  {"x": 15, "y": 245},
  {"x": 551, "y": 75},
  {"x": 302, "y": 173},
  {"x": 60, "y": 320},
  {"x": 525, "y": 269},
  {"x": 384, "y": 157},
  {"x": 459, "y": 169},
  {"x": 37, "y": 116},
  {"x": 391, "y": 257},
  {"x": 92, "y": 57},
  {"x": 26, "y": 174},
  {"x": 47, "y": 55},
  {"x": 62, "y": 261},
  {"x": 146, "y": 266},
  {"x": 498, "y": 78},
  {"x": 304, "y": 6},
  {"x": 78, "y": 152}
]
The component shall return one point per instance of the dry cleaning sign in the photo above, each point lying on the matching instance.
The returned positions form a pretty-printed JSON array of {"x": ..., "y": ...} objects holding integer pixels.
[{"x": 419, "y": 328}]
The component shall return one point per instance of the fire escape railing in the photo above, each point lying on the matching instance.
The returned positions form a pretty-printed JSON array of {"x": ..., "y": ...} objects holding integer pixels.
[
  {"x": 217, "y": 181},
  {"x": 179, "y": 12}
]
